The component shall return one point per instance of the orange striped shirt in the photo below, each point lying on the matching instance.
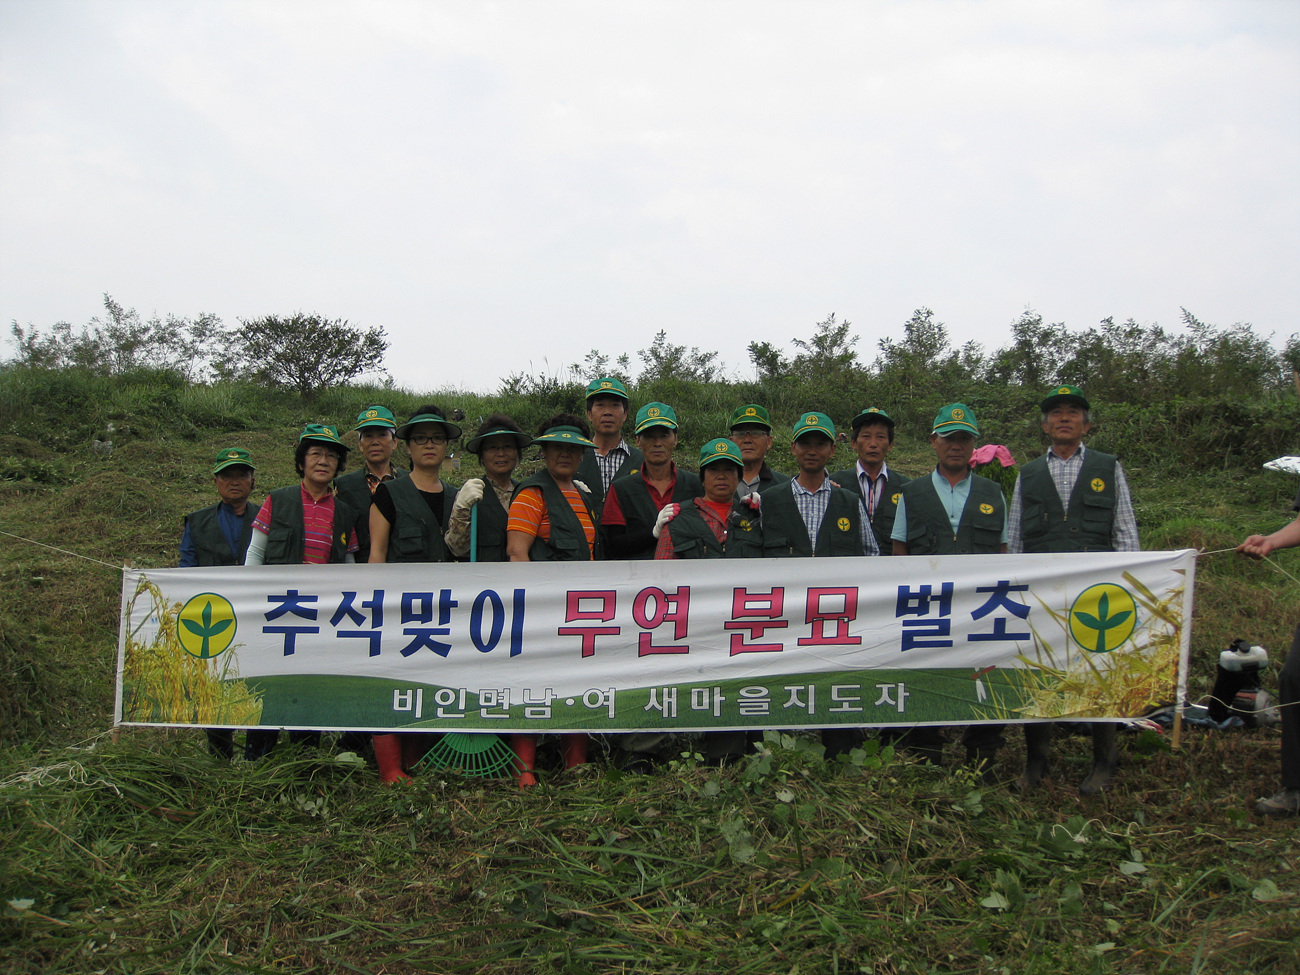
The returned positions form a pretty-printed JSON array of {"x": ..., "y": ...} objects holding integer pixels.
[{"x": 528, "y": 514}]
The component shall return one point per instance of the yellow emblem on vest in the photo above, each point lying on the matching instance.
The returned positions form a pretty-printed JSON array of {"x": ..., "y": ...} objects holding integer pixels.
[
  {"x": 895, "y": 498},
  {"x": 986, "y": 509},
  {"x": 1098, "y": 484},
  {"x": 843, "y": 524},
  {"x": 743, "y": 524}
]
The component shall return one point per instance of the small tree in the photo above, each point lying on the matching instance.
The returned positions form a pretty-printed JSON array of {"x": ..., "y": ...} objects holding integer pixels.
[
  {"x": 663, "y": 360},
  {"x": 306, "y": 353}
]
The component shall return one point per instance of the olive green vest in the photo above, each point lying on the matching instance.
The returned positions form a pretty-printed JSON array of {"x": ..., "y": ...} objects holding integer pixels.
[
  {"x": 353, "y": 488},
  {"x": 210, "y": 545},
  {"x": 1086, "y": 525},
  {"x": 882, "y": 520},
  {"x": 779, "y": 530},
  {"x": 639, "y": 509},
  {"x": 284, "y": 541},
  {"x": 490, "y": 534},
  {"x": 589, "y": 474},
  {"x": 415, "y": 535},
  {"x": 929, "y": 532},
  {"x": 692, "y": 537},
  {"x": 568, "y": 542}
]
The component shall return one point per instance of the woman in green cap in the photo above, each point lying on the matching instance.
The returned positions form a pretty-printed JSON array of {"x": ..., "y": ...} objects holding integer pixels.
[
  {"x": 304, "y": 523},
  {"x": 407, "y": 518},
  {"x": 498, "y": 445},
  {"x": 552, "y": 519}
]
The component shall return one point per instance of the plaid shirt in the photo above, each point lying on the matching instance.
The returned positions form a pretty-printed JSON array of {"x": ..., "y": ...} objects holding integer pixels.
[
  {"x": 812, "y": 507},
  {"x": 1124, "y": 530},
  {"x": 610, "y": 463}
]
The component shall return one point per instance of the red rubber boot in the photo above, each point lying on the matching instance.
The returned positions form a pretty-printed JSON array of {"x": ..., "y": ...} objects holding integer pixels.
[
  {"x": 525, "y": 749},
  {"x": 388, "y": 755},
  {"x": 575, "y": 750}
]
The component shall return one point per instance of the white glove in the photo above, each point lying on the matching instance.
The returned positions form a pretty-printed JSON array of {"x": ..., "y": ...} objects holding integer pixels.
[
  {"x": 581, "y": 486},
  {"x": 471, "y": 492},
  {"x": 666, "y": 514}
]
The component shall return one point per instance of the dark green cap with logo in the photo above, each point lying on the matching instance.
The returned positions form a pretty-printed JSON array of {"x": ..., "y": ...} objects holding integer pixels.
[
  {"x": 751, "y": 414},
  {"x": 563, "y": 435},
  {"x": 655, "y": 415},
  {"x": 814, "y": 423},
  {"x": 376, "y": 416},
  {"x": 721, "y": 449},
  {"x": 231, "y": 457},
  {"x": 1064, "y": 396},
  {"x": 870, "y": 415},
  {"x": 607, "y": 386},
  {"x": 956, "y": 418},
  {"x": 322, "y": 433}
]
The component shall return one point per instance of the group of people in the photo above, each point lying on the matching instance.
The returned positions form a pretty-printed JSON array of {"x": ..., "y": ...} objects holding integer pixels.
[{"x": 598, "y": 496}]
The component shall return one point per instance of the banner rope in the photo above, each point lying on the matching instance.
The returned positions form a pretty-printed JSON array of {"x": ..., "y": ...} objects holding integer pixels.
[{"x": 64, "y": 551}]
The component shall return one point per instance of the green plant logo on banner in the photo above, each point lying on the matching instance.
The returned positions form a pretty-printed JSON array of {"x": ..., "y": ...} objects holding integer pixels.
[
  {"x": 206, "y": 625},
  {"x": 1103, "y": 617}
]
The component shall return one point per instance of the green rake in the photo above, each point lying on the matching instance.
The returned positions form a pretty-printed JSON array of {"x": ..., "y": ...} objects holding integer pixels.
[{"x": 481, "y": 756}]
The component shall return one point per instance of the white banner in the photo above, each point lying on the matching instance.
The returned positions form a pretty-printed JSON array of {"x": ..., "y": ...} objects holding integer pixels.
[{"x": 654, "y": 646}]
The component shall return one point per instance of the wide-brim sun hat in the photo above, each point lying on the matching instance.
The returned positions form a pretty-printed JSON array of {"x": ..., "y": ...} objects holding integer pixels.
[
  {"x": 521, "y": 439},
  {"x": 571, "y": 436},
  {"x": 404, "y": 431}
]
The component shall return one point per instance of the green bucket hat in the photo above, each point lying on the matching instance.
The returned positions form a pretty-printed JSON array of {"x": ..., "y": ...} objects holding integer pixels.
[
  {"x": 956, "y": 418},
  {"x": 404, "y": 430},
  {"x": 565, "y": 434},
  {"x": 322, "y": 433},
  {"x": 655, "y": 415},
  {"x": 607, "y": 386},
  {"x": 376, "y": 416},
  {"x": 751, "y": 414},
  {"x": 1064, "y": 396},
  {"x": 869, "y": 414},
  {"x": 475, "y": 445},
  {"x": 720, "y": 449},
  {"x": 231, "y": 457},
  {"x": 813, "y": 423}
]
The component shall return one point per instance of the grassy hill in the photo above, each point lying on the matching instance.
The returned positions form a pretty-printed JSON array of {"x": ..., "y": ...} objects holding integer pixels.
[{"x": 145, "y": 855}]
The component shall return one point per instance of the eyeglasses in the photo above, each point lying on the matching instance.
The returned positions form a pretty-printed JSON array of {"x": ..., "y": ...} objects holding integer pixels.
[{"x": 420, "y": 439}]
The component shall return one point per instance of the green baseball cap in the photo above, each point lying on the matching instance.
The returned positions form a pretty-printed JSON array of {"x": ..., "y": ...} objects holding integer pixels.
[
  {"x": 751, "y": 414},
  {"x": 563, "y": 434},
  {"x": 404, "y": 430},
  {"x": 376, "y": 416},
  {"x": 322, "y": 433},
  {"x": 231, "y": 457},
  {"x": 655, "y": 415},
  {"x": 720, "y": 449},
  {"x": 814, "y": 423},
  {"x": 607, "y": 386},
  {"x": 869, "y": 415},
  {"x": 956, "y": 418},
  {"x": 1064, "y": 396}
]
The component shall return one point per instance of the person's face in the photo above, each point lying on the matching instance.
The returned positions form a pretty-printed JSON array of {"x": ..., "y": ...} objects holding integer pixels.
[
  {"x": 606, "y": 414},
  {"x": 872, "y": 444},
  {"x": 657, "y": 444},
  {"x": 499, "y": 455},
  {"x": 754, "y": 441},
  {"x": 377, "y": 445},
  {"x": 562, "y": 459},
  {"x": 720, "y": 480},
  {"x": 1066, "y": 425},
  {"x": 234, "y": 483},
  {"x": 953, "y": 451},
  {"x": 427, "y": 445},
  {"x": 319, "y": 466},
  {"x": 812, "y": 452}
]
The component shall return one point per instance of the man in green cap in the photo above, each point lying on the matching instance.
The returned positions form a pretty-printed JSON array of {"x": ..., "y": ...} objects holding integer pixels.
[
  {"x": 806, "y": 517},
  {"x": 634, "y": 501},
  {"x": 751, "y": 431},
  {"x": 607, "y": 403},
  {"x": 951, "y": 512},
  {"x": 376, "y": 431},
  {"x": 871, "y": 478},
  {"x": 219, "y": 535},
  {"x": 1071, "y": 499}
]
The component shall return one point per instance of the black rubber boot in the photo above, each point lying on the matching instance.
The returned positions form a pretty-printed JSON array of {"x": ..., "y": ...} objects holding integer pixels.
[
  {"x": 1038, "y": 751},
  {"x": 1105, "y": 759}
]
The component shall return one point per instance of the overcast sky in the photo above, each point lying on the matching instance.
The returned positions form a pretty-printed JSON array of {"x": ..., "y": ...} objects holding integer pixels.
[{"x": 504, "y": 186}]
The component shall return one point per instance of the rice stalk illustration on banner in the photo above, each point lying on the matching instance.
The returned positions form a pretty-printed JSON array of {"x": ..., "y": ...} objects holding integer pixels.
[
  {"x": 1114, "y": 675},
  {"x": 188, "y": 673}
]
